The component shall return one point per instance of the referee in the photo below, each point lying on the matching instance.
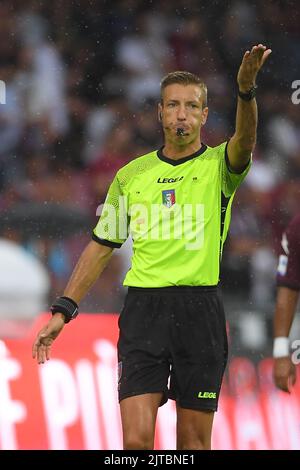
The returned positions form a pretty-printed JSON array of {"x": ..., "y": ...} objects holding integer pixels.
[{"x": 175, "y": 203}]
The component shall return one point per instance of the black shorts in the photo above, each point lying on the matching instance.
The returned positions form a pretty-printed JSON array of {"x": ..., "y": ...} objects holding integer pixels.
[{"x": 176, "y": 333}]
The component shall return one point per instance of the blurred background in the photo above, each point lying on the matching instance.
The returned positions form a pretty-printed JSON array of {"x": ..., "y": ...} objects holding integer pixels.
[{"x": 82, "y": 86}]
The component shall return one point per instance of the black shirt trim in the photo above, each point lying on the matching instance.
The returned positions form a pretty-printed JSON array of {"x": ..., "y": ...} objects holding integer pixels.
[
  {"x": 101, "y": 241},
  {"x": 224, "y": 204},
  {"x": 165, "y": 159}
]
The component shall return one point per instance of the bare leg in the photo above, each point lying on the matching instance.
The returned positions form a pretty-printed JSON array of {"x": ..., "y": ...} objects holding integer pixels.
[
  {"x": 138, "y": 416},
  {"x": 194, "y": 429}
]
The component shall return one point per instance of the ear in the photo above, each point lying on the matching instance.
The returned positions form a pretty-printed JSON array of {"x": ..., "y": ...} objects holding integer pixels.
[
  {"x": 204, "y": 116},
  {"x": 159, "y": 112}
]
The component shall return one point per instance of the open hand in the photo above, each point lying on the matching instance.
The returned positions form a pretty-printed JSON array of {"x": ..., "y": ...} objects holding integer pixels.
[
  {"x": 45, "y": 337},
  {"x": 252, "y": 62}
]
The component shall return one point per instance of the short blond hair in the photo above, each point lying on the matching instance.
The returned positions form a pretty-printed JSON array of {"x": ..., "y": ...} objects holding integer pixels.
[{"x": 184, "y": 78}]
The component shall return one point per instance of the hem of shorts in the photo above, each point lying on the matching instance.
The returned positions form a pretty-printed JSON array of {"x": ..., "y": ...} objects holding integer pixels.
[
  {"x": 289, "y": 285},
  {"x": 194, "y": 406},
  {"x": 136, "y": 393}
]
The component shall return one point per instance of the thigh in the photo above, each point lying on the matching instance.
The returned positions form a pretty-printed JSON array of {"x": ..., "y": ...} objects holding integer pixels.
[
  {"x": 138, "y": 414},
  {"x": 142, "y": 348},
  {"x": 199, "y": 352},
  {"x": 194, "y": 429}
]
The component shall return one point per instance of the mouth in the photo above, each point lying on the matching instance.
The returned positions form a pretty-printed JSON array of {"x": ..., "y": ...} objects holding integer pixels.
[{"x": 181, "y": 131}]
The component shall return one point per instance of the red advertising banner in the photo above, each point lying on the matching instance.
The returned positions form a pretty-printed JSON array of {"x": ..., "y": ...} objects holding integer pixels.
[{"x": 71, "y": 401}]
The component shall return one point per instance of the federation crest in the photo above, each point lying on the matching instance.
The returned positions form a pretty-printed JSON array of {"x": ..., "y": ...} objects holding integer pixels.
[{"x": 168, "y": 197}]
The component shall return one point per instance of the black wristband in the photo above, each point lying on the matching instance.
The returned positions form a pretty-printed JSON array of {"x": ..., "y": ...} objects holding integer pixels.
[
  {"x": 66, "y": 306},
  {"x": 249, "y": 95}
]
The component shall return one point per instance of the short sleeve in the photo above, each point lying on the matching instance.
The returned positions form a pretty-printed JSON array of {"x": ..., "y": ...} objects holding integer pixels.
[
  {"x": 112, "y": 227},
  {"x": 230, "y": 179}
]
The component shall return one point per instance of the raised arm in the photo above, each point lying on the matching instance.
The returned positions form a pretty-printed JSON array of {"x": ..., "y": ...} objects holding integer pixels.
[
  {"x": 91, "y": 263},
  {"x": 242, "y": 143}
]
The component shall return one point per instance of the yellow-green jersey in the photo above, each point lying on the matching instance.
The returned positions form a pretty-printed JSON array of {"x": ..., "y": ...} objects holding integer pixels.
[{"x": 177, "y": 213}]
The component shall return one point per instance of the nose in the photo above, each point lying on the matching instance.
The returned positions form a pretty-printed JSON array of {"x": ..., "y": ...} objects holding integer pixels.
[{"x": 181, "y": 115}]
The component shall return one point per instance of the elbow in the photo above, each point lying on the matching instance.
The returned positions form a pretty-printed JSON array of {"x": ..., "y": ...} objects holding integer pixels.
[{"x": 246, "y": 145}]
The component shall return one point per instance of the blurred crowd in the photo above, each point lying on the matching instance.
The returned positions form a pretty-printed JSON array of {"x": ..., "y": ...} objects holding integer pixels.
[{"x": 82, "y": 86}]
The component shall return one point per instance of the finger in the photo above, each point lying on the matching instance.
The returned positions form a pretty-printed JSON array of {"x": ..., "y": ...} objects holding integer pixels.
[
  {"x": 266, "y": 55},
  {"x": 259, "y": 49},
  {"x": 36, "y": 345},
  {"x": 281, "y": 380},
  {"x": 44, "y": 348},
  {"x": 48, "y": 350},
  {"x": 37, "y": 349},
  {"x": 282, "y": 384},
  {"x": 293, "y": 377},
  {"x": 250, "y": 53},
  {"x": 256, "y": 52},
  {"x": 41, "y": 354},
  {"x": 34, "y": 350},
  {"x": 262, "y": 53}
]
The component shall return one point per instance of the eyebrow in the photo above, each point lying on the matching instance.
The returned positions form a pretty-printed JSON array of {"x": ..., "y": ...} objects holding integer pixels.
[{"x": 187, "y": 102}]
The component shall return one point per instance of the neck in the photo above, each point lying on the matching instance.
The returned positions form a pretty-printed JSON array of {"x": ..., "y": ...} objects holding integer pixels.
[{"x": 174, "y": 151}]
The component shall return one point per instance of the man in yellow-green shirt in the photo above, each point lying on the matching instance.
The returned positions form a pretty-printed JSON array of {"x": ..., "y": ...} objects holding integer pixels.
[{"x": 175, "y": 203}]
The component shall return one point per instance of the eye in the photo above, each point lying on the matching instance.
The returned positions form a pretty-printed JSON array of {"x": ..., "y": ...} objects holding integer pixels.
[{"x": 171, "y": 105}]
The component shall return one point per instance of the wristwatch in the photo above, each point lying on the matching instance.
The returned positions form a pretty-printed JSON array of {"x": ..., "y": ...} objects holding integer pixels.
[
  {"x": 68, "y": 307},
  {"x": 249, "y": 95}
]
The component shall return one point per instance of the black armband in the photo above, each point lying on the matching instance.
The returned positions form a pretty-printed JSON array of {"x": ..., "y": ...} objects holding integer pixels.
[
  {"x": 66, "y": 306},
  {"x": 249, "y": 95}
]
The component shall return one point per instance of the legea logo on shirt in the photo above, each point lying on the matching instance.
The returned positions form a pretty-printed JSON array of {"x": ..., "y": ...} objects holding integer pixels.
[{"x": 170, "y": 180}]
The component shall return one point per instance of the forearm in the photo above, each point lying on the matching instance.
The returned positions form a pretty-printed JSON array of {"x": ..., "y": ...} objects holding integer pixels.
[
  {"x": 246, "y": 125},
  {"x": 242, "y": 143},
  {"x": 91, "y": 263},
  {"x": 285, "y": 310}
]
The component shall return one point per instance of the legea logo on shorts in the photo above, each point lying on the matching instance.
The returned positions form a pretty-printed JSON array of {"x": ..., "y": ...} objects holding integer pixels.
[{"x": 207, "y": 395}]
